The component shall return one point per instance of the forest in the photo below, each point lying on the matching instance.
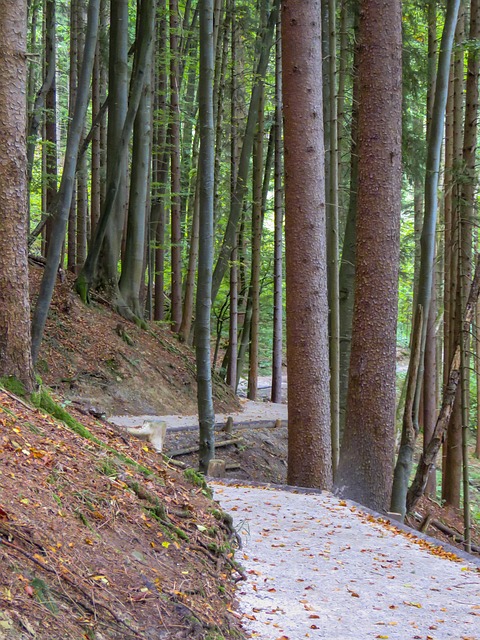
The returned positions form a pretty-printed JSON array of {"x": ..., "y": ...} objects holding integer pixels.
[{"x": 284, "y": 184}]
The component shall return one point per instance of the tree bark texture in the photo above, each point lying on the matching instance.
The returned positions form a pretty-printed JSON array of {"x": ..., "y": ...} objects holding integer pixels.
[
  {"x": 366, "y": 460},
  {"x": 309, "y": 455},
  {"x": 15, "y": 358},
  {"x": 206, "y": 415},
  {"x": 277, "y": 354}
]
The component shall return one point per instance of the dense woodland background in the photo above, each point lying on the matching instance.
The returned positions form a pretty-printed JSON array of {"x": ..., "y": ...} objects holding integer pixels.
[{"x": 154, "y": 154}]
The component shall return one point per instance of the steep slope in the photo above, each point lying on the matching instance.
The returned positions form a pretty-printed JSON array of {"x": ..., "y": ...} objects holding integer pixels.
[{"x": 100, "y": 539}]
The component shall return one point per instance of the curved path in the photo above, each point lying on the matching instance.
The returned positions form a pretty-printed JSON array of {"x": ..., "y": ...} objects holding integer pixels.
[{"x": 319, "y": 567}]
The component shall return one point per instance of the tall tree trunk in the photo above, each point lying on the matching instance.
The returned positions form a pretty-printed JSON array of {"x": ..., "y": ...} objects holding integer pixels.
[
  {"x": 15, "y": 358},
  {"x": 277, "y": 354},
  {"x": 106, "y": 272},
  {"x": 206, "y": 416},
  {"x": 188, "y": 299},
  {"x": 347, "y": 266},
  {"x": 87, "y": 274},
  {"x": 332, "y": 242},
  {"x": 160, "y": 161},
  {"x": 404, "y": 461},
  {"x": 257, "y": 224},
  {"x": 431, "y": 180},
  {"x": 51, "y": 168},
  {"x": 82, "y": 180},
  {"x": 231, "y": 377},
  {"x": 365, "y": 469},
  {"x": 67, "y": 182},
  {"x": 453, "y": 458},
  {"x": 98, "y": 97},
  {"x": 175, "y": 199},
  {"x": 36, "y": 113},
  {"x": 309, "y": 455},
  {"x": 132, "y": 277},
  {"x": 72, "y": 94}
]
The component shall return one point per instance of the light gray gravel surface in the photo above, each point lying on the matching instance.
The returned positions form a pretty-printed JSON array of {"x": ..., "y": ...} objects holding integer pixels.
[
  {"x": 318, "y": 567},
  {"x": 251, "y": 411}
]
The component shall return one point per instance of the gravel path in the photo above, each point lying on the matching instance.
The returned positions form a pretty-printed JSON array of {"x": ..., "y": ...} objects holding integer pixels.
[
  {"x": 250, "y": 411},
  {"x": 318, "y": 567}
]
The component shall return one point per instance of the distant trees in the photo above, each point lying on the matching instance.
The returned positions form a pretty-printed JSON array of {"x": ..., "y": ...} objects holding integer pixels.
[
  {"x": 15, "y": 358},
  {"x": 140, "y": 218}
]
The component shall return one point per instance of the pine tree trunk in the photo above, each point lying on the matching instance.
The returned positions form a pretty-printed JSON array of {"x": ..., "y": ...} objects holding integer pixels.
[
  {"x": 365, "y": 468},
  {"x": 309, "y": 455},
  {"x": 15, "y": 358}
]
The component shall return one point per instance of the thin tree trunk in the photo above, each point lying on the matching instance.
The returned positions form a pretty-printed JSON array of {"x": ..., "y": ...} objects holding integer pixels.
[
  {"x": 206, "y": 416},
  {"x": 189, "y": 297},
  {"x": 332, "y": 243},
  {"x": 434, "y": 144},
  {"x": 82, "y": 181},
  {"x": 51, "y": 168},
  {"x": 229, "y": 238},
  {"x": 277, "y": 354},
  {"x": 87, "y": 274},
  {"x": 132, "y": 278},
  {"x": 347, "y": 265},
  {"x": 231, "y": 377},
  {"x": 160, "y": 162},
  {"x": 257, "y": 221},
  {"x": 453, "y": 459},
  {"x": 105, "y": 275},
  {"x": 175, "y": 199},
  {"x": 427, "y": 459},
  {"x": 73, "y": 87},
  {"x": 36, "y": 114}
]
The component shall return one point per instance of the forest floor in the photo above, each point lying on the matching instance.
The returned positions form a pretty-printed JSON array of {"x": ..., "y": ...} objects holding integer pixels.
[{"x": 94, "y": 546}]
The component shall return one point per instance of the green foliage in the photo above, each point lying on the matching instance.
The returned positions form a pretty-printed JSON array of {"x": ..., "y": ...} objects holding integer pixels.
[
  {"x": 10, "y": 383},
  {"x": 198, "y": 480},
  {"x": 44, "y": 595}
]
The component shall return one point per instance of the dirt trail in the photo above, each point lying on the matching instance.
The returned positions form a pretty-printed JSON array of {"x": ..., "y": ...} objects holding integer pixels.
[{"x": 319, "y": 567}]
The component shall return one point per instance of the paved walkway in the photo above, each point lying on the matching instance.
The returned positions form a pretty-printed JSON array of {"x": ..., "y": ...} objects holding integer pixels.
[{"x": 320, "y": 568}]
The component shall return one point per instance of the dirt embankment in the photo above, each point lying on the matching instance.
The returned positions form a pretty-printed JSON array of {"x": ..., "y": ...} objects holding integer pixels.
[
  {"x": 101, "y": 540},
  {"x": 97, "y": 360}
]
